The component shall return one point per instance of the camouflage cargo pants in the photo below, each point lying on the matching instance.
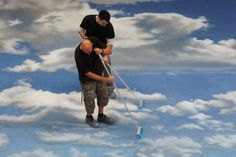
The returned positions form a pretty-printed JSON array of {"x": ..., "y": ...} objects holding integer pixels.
[{"x": 90, "y": 89}]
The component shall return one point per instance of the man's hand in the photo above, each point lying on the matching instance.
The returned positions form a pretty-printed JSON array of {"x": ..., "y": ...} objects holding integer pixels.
[
  {"x": 110, "y": 79},
  {"x": 106, "y": 59},
  {"x": 98, "y": 51}
]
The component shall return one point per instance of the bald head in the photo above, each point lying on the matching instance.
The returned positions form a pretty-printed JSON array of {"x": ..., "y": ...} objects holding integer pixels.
[{"x": 86, "y": 46}]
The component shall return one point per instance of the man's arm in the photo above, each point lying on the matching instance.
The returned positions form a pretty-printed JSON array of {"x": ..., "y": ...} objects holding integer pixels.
[
  {"x": 99, "y": 47},
  {"x": 82, "y": 33},
  {"x": 83, "y": 26},
  {"x": 110, "y": 38},
  {"x": 97, "y": 77},
  {"x": 107, "y": 50}
]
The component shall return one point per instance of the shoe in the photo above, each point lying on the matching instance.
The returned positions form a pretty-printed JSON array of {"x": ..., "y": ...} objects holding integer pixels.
[
  {"x": 112, "y": 95},
  {"x": 104, "y": 119},
  {"x": 91, "y": 122}
]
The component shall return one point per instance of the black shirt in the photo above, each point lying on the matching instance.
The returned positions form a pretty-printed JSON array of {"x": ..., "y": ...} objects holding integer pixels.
[
  {"x": 95, "y": 30},
  {"x": 89, "y": 62}
]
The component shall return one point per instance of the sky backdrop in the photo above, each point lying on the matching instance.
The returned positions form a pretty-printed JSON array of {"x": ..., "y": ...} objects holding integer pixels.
[{"x": 179, "y": 56}]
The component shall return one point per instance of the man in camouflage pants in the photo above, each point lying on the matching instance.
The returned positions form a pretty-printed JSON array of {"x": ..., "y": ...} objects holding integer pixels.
[{"x": 92, "y": 79}]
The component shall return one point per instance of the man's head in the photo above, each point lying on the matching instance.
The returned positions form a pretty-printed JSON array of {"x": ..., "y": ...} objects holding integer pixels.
[
  {"x": 104, "y": 18},
  {"x": 86, "y": 46}
]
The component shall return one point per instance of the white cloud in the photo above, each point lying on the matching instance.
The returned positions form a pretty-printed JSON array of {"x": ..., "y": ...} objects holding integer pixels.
[
  {"x": 14, "y": 22},
  {"x": 208, "y": 50},
  {"x": 206, "y": 121},
  {"x": 3, "y": 140},
  {"x": 140, "y": 96},
  {"x": 76, "y": 153},
  {"x": 53, "y": 25},
  {"x": 230, "y": 43},
  {"x": 133, "y": 38},
  {"x": 27, "y": 66},
  {"x": 25, "y": 97},
  {"x": 163, "y": 26},
  {"x": 115, "y": 153},
  {"x": 37, "y": 152},
  {"x": 25, "y": 118},
  {"x": 58, "y": 20},
  {"x": 158, "y": 128},
  {"x": 50, "y": 25},
  {"x": 170, "y": 146},
  {"x": 222, "y": 141},
  {"x": 217, "y": 125},
  {"x": 34, "y": 5},
  {"x": 38, "y": 104},
  {"x": 10, "y": 41},
  {"x": 190, "y": 126},
  {"x": 10, "y": 46},
  {"x": 90, "y": 139},
  {"x": 61, "y": 137},
  {"x": 158, "y": 26},
  {"x": 176, "y": 54},
  {"x": 185, "y": 107},
  {"x": 54, "y": 60},
  {"x": 225, "y": 102},
  {"x": 200, "y": 117},
  {"x": 54, "y": 4}
]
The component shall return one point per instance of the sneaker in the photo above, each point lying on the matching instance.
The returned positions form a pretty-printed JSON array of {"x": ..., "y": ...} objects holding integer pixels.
[
  {"x": 112, "y": 95},
  {"x": 91, "y": 122},
  {"x": 105, "y": 119}
]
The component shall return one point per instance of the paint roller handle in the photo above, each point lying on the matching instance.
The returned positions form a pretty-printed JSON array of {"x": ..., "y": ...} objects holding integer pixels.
[{"x": 104, "y": 65}]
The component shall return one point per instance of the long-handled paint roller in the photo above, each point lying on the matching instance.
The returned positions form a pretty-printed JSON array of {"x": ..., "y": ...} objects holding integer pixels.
[
  {"x": 139, "y": 132},
  {"x": 131, "y": 91}
]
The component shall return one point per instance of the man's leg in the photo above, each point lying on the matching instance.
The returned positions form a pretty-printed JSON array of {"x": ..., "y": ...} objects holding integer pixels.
[
  {"x": 88, "y": 90},
  {"x": 102, "y": 101}
]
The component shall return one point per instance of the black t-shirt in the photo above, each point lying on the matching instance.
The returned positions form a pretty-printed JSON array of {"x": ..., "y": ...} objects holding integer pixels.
[
  {"x": 93, "y": 29},
  {"x": 91, "y": 62}
]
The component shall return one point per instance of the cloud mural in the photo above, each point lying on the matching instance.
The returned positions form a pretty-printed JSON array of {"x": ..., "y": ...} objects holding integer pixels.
[{"x": 179, "y": 57}]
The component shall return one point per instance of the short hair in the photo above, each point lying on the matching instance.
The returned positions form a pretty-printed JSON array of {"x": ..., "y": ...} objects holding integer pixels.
[{"x": 104, "y": 15}]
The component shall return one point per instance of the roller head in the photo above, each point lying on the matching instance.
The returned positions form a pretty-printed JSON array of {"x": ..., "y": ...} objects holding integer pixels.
[{"x": 139, "y": 133}]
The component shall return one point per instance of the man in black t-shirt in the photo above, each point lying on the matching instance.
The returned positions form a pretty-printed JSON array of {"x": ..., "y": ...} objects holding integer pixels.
[
  {"x": 90, "y": 70},
  {"x": 99, "y": 26}
]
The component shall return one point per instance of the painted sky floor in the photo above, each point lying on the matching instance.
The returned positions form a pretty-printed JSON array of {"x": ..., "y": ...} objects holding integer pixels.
[{"x": 184, "y": 114}]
